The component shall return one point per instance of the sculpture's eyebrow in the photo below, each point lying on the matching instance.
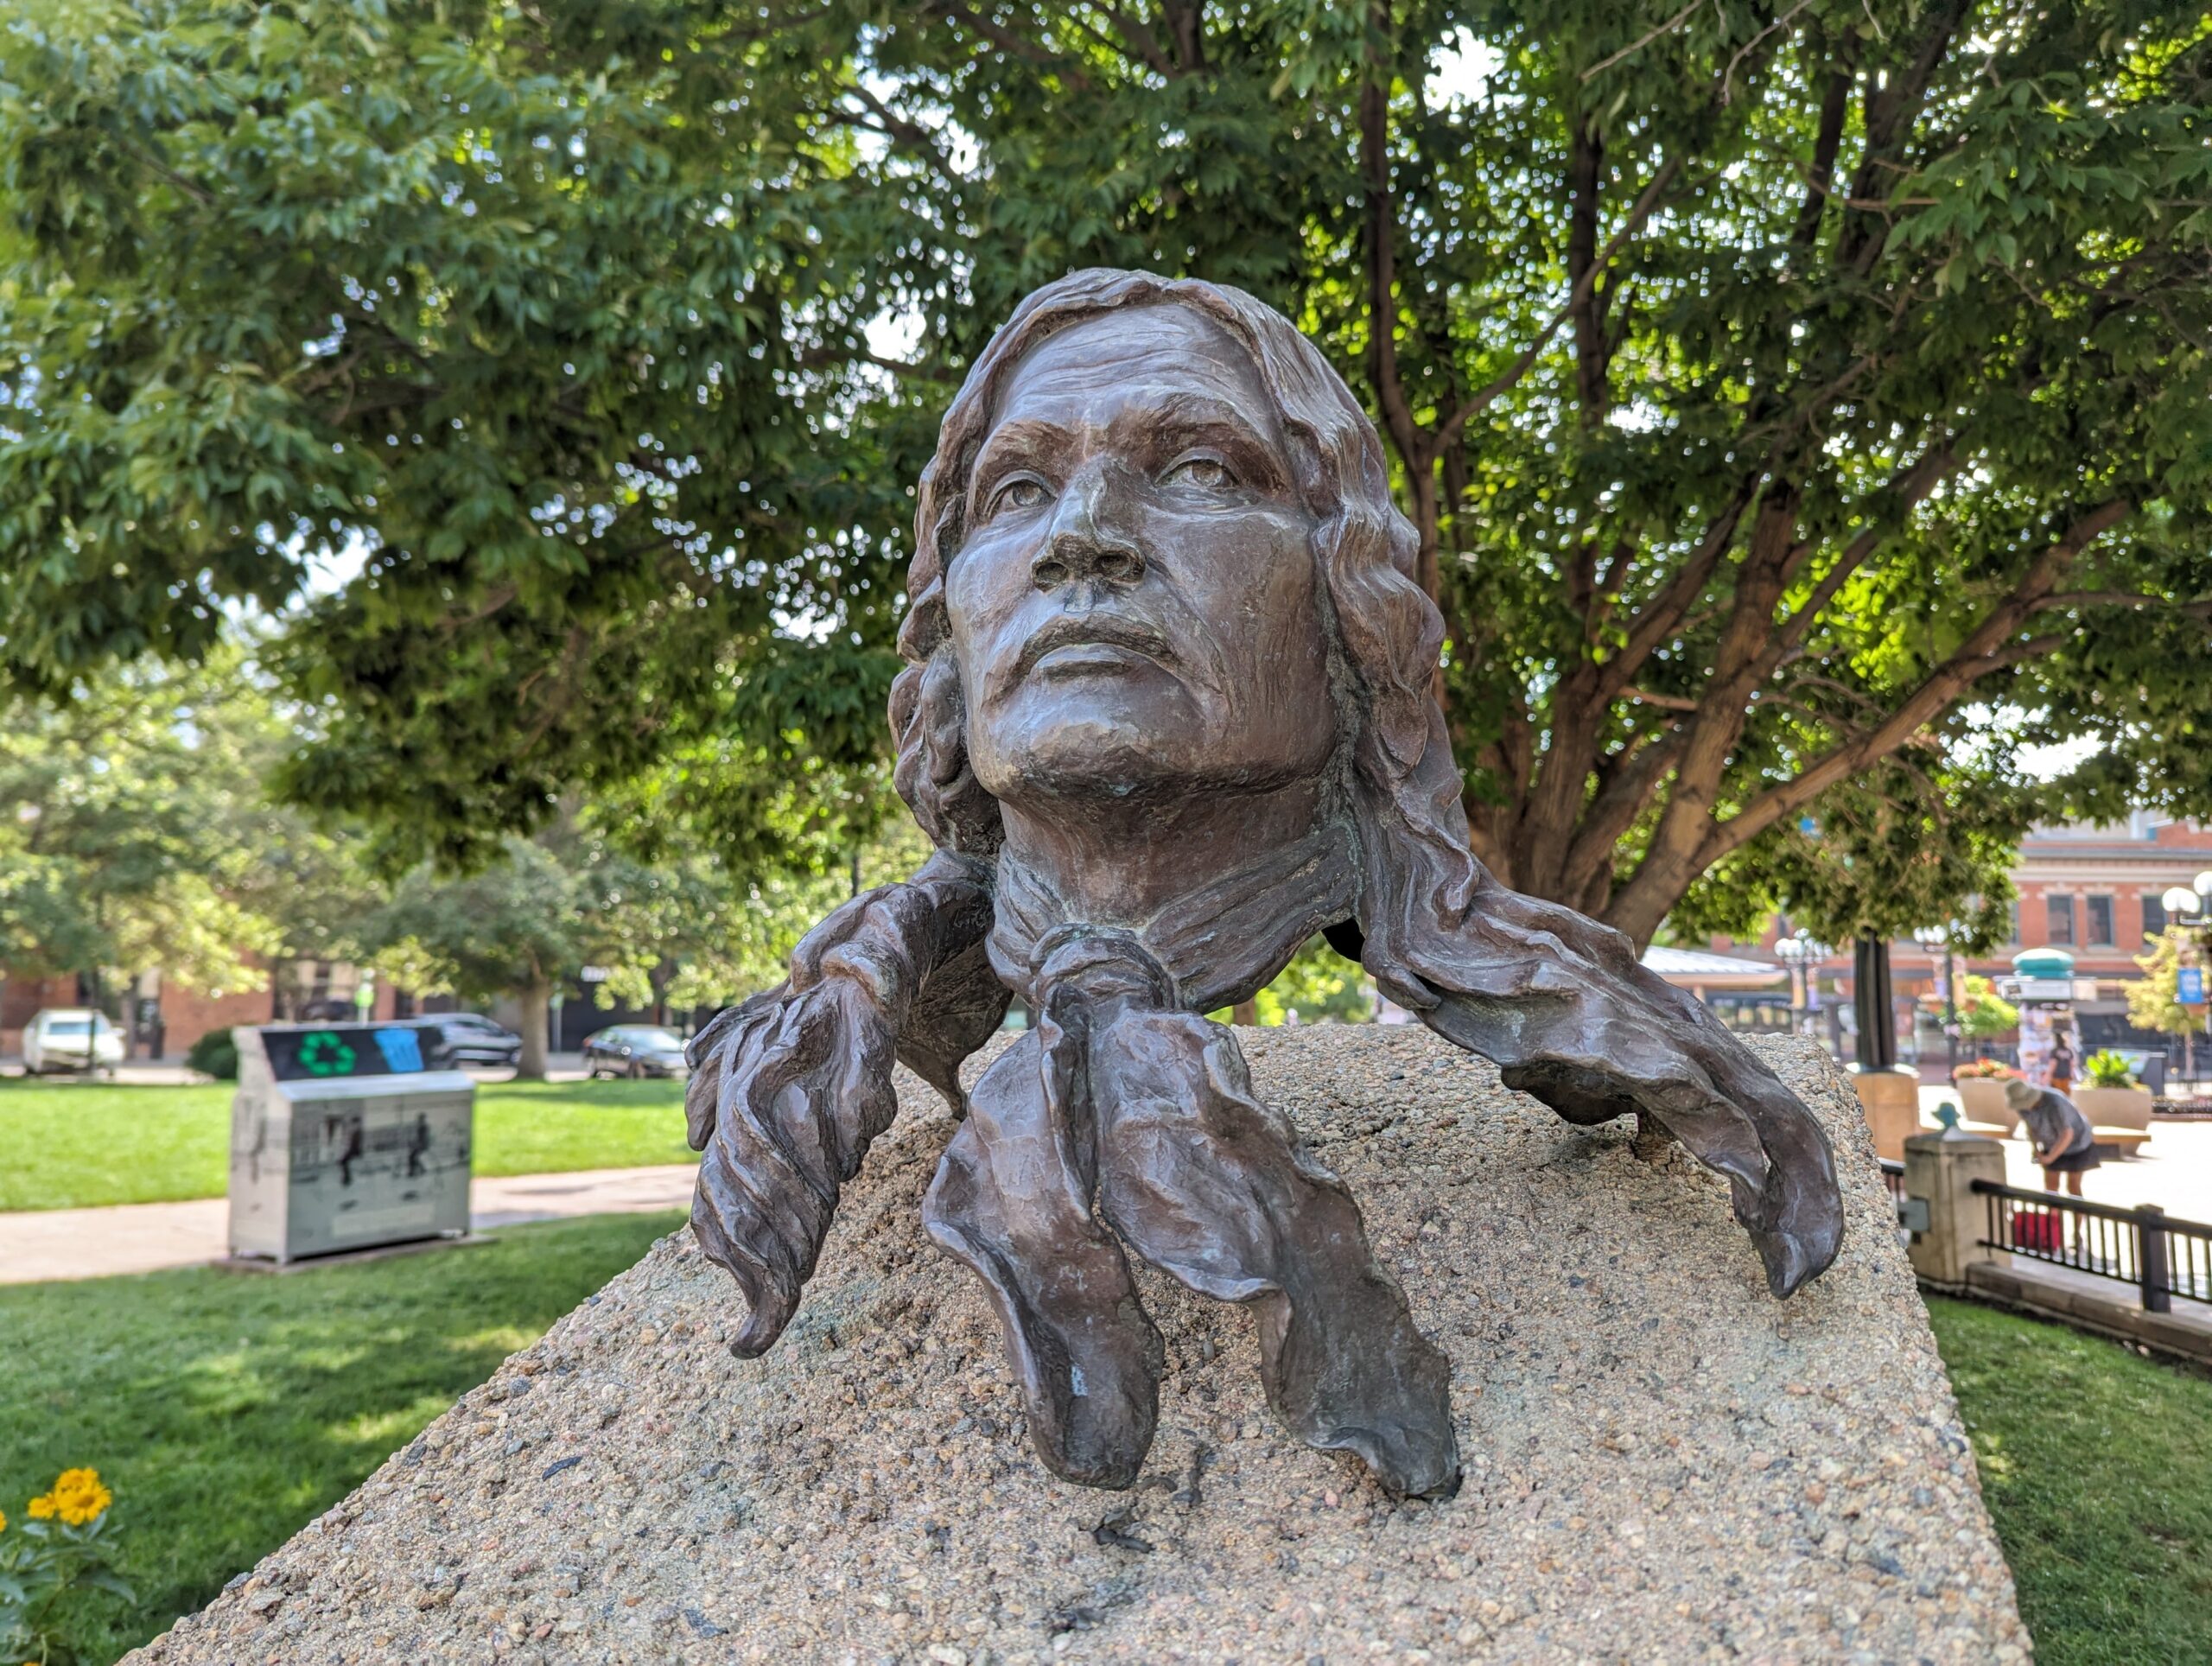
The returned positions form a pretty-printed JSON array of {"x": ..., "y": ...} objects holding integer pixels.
[
  {"x": 1013, "y": 442},
  {"x": 1183, "y": 420}
]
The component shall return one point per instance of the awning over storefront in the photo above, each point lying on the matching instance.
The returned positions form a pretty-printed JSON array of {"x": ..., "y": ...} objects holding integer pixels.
[{"x": 1693, "y": 968}]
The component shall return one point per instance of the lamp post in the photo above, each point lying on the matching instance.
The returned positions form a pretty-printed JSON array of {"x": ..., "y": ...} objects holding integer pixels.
[
  {"x": 1797, "y": 952},
  {"x": 1931, "y": 937},
  {"x": 2185, "y": 906}
]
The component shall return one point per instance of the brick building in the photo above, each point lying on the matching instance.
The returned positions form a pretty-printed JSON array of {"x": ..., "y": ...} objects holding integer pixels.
[
  {"x": 2091, "y": 890},
  {"x": 2094, "y": 890},
  {"x": 162, "y": 1019}
]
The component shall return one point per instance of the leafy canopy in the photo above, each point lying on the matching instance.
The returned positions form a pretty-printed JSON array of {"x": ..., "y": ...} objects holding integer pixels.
[
  {"x": 1779, "y": 391},
  {"x": 134, "y": 834}
]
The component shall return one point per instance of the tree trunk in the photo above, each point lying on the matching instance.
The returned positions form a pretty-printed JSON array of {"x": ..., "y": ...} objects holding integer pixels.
[
  {"x": 1246, "y": 1013},
  {"x": 537, "y": 995}
]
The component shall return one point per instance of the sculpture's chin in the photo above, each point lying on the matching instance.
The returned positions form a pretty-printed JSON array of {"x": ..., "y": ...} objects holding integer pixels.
[{"x": 1129, "y": 750}]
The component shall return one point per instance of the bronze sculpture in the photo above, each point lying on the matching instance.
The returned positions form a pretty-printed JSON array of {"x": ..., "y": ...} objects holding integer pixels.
[{"x": 1166, "y": 714}]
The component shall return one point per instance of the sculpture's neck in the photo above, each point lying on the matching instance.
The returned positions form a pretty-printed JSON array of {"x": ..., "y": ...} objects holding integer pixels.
[
  {"x": 1121, "y": 862},
  {"x": 1221, "y": 893}
]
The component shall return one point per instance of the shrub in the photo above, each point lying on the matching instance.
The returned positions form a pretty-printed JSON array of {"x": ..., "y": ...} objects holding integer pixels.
[
  {"x": 214, "y": 1054},
  {"x": 2108, "y": 1069},
  {"x": 1982, "y": 1011}
]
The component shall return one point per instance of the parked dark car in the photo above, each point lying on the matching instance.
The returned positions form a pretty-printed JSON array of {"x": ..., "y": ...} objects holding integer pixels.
[
  {"x": 465, "y": 1041},
  {"x": 634, "y": 1050}
]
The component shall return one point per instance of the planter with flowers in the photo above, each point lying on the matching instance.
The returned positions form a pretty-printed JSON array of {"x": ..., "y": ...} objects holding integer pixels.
[
  {"x": 1981, "y": 1097},
  {"x": 2119, "y": 1111}
]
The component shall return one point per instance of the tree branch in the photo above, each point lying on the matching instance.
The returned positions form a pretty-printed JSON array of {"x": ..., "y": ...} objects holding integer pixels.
[
  {"x": 1142, "y": 42},
  {"x": 1642, "y": 211},
  {"x": 1665, "y": 611},
  {"x": 1638, "y": 45},
  {"x": 1887, "y": 121},
  {"x": 1418, "y": 454},
  {"x": 1728, "y": 75},
  {"x": 1625, "y": 782},
  {"x": 1585, "y": 163},
  {"x": 1021, "y": 46},
  {"x": 1835, "y": 103},
  {"x": 894, "y": 125},
  {"x": 2201, "y": 609},
  {"x": 1381, "y": 256},
  {"x": 824, "y": 358},
  {"x": 1908, "y": 490},
  {"x": 1985, "y": 650}
]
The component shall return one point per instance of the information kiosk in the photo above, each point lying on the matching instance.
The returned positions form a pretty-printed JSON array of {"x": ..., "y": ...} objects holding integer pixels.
[{"x": 341, "y": 1139}]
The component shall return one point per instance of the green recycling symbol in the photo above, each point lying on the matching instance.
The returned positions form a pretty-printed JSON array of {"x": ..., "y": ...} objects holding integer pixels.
[{"x": 324, "y": 1053}]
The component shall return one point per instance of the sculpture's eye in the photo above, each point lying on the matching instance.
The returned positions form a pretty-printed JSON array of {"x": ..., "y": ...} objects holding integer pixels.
[
  {"x": 1207, "y": 474},
  {"x": 1023, "y": 491}
]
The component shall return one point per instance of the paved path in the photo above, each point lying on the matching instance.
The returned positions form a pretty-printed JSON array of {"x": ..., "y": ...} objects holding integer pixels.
[{"x": 40, "y": 1245}]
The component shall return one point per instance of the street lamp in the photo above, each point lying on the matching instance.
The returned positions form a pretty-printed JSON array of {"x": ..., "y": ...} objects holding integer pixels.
[
  {"x": 1798, "y": 952},
  {"x": 1931, "y": 937},
  {"x": 2185, "y": 906}
]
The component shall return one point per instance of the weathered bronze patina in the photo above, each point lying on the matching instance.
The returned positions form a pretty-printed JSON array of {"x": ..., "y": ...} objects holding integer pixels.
[{"x": 1167, "y": 715}]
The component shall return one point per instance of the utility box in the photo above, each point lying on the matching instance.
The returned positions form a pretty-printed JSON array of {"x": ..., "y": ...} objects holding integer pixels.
[{"x": 341, "y": 1139}]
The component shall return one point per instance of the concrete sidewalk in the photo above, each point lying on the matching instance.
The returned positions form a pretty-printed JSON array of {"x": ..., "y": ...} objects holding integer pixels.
[{"x": 38, "y": 1246}]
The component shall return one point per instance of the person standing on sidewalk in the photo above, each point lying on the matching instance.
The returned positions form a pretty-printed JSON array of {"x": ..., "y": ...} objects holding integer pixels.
[
  {"x": 2061, "y": 1135},
  {"x": 2061, "y": 1062}
]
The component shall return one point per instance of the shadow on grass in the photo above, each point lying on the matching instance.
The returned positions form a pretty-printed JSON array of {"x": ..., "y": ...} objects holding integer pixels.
[{"x": 227, "y": 1409}]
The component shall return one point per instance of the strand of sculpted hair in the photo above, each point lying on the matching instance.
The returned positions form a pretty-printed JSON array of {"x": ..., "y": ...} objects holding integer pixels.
[{"x": 791, "y": 1090}]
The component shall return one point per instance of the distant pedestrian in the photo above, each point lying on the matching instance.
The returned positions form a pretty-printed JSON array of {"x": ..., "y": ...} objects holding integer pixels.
[
  {"x": 2060, "y": 1134},
  {"x": 2061, "y": 1064}
]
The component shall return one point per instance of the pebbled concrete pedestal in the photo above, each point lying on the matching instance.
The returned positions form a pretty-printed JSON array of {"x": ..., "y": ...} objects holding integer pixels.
[{"x": 1664, "y": 1463}]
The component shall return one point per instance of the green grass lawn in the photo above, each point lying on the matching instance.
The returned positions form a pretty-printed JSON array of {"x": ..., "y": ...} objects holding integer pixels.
[
  {"x": 227, "y": 1409},
  {"x": 67, "y": 1145},
  {"x": 2097, "y": 1466}
]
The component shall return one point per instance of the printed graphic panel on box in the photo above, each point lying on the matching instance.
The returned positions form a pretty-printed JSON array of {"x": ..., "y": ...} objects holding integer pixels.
[{"x": 307, "y": 1055}]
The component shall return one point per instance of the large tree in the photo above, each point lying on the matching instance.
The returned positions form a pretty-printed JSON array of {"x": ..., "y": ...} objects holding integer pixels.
[
  {"x": 134, "y": 836},
  {"x": 1800, "y": 404},
  {"x": 680, "y": 931}
]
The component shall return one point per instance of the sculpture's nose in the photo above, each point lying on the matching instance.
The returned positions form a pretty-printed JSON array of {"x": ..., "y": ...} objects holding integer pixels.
[{"x": 1085, "y": 545}]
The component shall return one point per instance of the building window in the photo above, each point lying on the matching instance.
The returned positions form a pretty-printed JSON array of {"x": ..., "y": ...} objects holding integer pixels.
[
  {"x": 2013, "y": 934},
  {"x": 2060, "y": 912},
  {"x": 2099, "y": 919},
  {"x": 2154, "y": 916}
]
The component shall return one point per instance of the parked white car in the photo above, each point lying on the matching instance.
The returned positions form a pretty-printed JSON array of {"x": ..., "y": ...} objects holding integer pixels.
[{"x": 70, "y": 1037}]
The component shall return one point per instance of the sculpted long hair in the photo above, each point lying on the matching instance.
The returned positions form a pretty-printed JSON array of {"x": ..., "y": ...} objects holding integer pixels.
[{"x": 1387, "y": 634}]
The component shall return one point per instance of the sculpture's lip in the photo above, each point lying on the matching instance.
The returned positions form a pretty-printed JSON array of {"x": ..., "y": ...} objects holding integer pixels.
[
  {"x": 1077, "y": 658},
  {"x": 1079, "y": 642}
]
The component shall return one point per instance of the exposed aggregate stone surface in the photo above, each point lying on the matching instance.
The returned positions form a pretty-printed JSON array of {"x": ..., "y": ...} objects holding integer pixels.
[{"x": 1664, "y": 1463}]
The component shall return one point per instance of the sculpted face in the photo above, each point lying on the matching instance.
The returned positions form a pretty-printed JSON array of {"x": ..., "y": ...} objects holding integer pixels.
[{"x": 1133, "y": 603}]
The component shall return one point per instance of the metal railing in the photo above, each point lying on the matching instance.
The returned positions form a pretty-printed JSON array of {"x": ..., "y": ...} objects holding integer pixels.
[{"x": 2161, "y": 1256}]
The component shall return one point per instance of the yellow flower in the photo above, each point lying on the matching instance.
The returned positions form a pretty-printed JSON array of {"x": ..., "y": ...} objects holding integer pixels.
[
  {"x": 42, "y": 1507},
  {"x": 3, "y": 1521},
  {"x": 78, "y": 1498}
]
